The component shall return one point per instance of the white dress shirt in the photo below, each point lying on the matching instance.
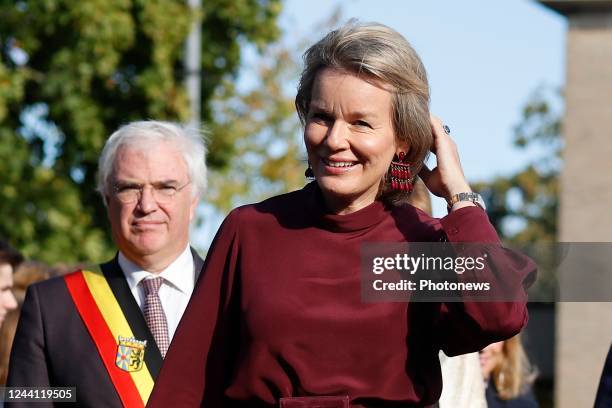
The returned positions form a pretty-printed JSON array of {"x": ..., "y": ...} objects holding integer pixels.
[{"x": 179, "y": 279}]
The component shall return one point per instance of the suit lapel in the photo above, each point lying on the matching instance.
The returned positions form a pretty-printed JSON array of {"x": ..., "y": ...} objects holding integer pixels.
[
  {"x": 116, "y": 280},
  {"x": 198, "y": 264}
]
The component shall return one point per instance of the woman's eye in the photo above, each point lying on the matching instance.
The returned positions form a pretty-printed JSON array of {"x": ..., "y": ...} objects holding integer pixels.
[{"x": 362, "y": 123}]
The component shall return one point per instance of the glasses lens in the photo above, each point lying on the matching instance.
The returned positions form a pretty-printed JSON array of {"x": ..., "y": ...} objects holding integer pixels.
[
  {"x": 127, "y": 194},
  {"x": 161, "y": 194}
]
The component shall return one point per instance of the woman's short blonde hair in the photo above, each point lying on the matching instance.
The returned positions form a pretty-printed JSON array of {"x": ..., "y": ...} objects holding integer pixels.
[{"x": 377, "y": 52}]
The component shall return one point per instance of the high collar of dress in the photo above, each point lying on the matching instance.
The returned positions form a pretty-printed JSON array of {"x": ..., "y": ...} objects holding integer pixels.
[{"x": 364, "y": 218}]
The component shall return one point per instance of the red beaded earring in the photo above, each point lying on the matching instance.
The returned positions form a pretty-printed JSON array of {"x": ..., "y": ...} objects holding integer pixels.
[{"x": 401, "y": 176}]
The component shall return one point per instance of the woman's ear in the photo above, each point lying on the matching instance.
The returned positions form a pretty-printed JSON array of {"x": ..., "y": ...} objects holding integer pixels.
[{"x": 402, "y": 146}]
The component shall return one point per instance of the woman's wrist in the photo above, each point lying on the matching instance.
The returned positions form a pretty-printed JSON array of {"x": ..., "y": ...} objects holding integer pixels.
[
  {"x": 457, "y": 188},
  {"x": 461, "y": 204}
]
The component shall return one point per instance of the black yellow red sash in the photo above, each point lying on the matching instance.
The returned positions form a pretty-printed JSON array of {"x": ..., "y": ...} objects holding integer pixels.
[{"x": 107, "y": 325}]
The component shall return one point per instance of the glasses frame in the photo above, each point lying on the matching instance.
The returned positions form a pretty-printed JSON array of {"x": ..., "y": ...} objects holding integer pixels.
[{"x": 165, "y": 199}]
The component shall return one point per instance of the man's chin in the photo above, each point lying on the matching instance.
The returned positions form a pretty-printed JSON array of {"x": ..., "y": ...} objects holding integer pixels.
[
  {"x": 148, "y": 247},
  {"x": 146, "y": 228}
]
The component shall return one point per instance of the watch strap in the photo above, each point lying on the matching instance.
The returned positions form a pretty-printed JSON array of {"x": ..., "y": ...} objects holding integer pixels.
[{"x": 466, "y": 196}]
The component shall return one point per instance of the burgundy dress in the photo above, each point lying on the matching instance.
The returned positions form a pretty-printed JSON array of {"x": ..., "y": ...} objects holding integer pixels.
[{"x": 277, "y": 311}]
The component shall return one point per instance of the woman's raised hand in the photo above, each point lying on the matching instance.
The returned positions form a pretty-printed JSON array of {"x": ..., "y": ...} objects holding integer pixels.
[{"x": 447, "y": 178}]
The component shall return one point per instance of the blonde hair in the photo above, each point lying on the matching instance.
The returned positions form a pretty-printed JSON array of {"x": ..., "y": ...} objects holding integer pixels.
[
  {"x": 380, "y": 53},
  {"x": 514, "y": 374}
]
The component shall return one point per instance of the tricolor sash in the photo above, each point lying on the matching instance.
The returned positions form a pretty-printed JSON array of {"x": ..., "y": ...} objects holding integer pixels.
[{"x": 122, "y": 353}]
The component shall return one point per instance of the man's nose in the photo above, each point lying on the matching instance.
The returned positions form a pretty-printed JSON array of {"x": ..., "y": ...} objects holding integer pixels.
[{"x": 147, "y": 202}]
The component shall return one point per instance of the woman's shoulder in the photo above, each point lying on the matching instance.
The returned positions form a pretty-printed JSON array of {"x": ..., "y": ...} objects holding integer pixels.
[
  {"x": 410, "y": 218},
  {"x": 284, "y": 208}
]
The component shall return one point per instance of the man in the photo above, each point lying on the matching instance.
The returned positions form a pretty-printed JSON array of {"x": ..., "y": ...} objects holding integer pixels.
[
  {"x": 604, "y": 392},
  {"x": 9, "y": 260},
  {"x": 106, "y": 332}
]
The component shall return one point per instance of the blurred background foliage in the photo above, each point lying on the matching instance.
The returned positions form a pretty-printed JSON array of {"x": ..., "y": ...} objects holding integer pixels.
[
  {"x": 72, "y": 72},
  {"x": 258, "y": 132},
  {"x": 523, "y": 206}
]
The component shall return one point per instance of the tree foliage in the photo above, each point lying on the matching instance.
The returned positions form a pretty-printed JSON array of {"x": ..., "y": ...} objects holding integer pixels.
[
  {"x": 523, "y": 205},
  {"x": 71, "y": 73},
  {"x": 260, "y": 126}
]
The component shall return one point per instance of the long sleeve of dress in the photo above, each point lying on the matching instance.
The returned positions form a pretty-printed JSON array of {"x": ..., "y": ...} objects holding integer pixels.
[{"x": 465, "y": 327}]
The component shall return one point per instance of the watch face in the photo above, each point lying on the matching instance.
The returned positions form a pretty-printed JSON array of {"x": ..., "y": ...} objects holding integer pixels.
[{"x": 479, "y": 201}]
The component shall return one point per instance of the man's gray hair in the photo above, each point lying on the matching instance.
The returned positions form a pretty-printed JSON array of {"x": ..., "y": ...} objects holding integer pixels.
[{"x": 147, "y": 133}]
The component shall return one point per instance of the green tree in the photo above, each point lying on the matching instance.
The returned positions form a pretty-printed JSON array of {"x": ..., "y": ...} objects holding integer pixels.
[
  {"x": 71, "y": 73},
  {"x": 523, "y": 206}
]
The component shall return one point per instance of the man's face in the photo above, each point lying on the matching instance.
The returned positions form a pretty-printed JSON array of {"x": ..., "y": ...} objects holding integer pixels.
[
  {"x": 152, "y": 230},
  {"x": 7, "y": 300}
]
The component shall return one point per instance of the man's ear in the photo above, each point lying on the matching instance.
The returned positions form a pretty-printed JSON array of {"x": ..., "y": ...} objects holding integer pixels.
[{"x": 193, "y": 206}]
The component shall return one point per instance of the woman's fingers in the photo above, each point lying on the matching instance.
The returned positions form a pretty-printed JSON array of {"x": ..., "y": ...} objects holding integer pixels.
[
  {"x": 443, "y": 143},
  {"x": 449, "y": 174}
]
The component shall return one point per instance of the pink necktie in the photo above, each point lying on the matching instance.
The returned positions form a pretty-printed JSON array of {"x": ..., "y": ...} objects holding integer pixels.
[{"x": 154, "y": 313}]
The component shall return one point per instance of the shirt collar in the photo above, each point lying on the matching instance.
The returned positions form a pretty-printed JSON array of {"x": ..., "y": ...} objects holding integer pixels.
[{"x": 180, "y": 273}]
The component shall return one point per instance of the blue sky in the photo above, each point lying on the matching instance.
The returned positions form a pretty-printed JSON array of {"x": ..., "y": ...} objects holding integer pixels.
[{"x": 484, "y": 59}]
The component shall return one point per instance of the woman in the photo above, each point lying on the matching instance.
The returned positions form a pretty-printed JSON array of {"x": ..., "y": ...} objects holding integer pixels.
[
  {"x": 27, "y": 273},
  {"x": 277, "y": 312},
  {"x": 10, "y": 259},
  {"x": 507, "y": 374}
]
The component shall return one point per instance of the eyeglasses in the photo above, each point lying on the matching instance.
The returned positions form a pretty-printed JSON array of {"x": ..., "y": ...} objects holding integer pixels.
[{"x": 163, "y": 193}]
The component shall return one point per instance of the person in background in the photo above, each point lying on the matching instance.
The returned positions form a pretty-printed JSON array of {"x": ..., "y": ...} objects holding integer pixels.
[
  {"x": 9, "y": 261},
  {"x": 27, "y": 273},
  {"x": 604, "y": 391},
  {"x": 462, "y": 380},
  {"x": 277, "y": 318},
  {"x": 106, "y": 331},
  {"x": 507, "y": 374}
]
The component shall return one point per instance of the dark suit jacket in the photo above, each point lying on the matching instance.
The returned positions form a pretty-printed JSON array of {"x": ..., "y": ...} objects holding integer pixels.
[
  {"x": 604, "y": 392},
  {"x": 53, "y": 347}
]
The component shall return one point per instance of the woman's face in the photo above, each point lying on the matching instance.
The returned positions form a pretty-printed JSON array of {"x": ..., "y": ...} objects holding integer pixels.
[
  {"x": 7, "y": 300},
  {"x": 490, "y": 357},
  {"x": 349, "y": 138}
]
